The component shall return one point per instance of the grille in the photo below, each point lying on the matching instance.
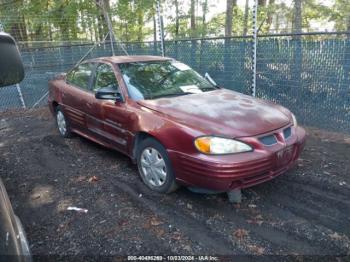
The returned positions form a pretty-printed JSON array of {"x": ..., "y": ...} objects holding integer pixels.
[
  {"x": 287, "y": 132},
  {"x": 268, "y": 140}
]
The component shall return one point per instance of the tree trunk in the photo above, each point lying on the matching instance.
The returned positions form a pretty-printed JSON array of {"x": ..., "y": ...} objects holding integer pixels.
[
  {"x": 102, "y": 27},
  {"x": 297, "y": 20},
  {"x": 49, "y": 31},
  {"x": 269, "y": 14},
  {"x": 228, "y": 72},
  {"x": 261, "y": 2},
  {"x": 177, "y": 22},
  {"x": 348, "y": 22},
  {"x": 140, "y": 26},
  {"x": 297, "y": 54},
  {"x": 154, "y": 35},
  {"x": 346, "y": 64},
  {"x": 17, "y": 28},
  {"x": 204, "y": 30},
  {"x": 23, "y": 27},
  {"x": 204, "y": 22},
  {"x": 245, "y": 22},
  {"x": 126, "y": 31},
  {"x": 229, "y": 17},
  {"x": 193, "y": 18}
]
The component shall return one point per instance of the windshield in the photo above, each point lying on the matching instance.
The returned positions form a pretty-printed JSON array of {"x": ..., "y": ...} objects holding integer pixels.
[{"x": 151, "y": 80}]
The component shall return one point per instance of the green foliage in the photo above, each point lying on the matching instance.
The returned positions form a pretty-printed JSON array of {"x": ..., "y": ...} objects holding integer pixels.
[
  {"x": 341, "y": 15},
  {"x": 133, "y": 15},
  {"x": 132, "y": 20}
]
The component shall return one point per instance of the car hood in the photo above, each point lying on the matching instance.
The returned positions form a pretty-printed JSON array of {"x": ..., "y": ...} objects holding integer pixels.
[{"x": 222, "y": 112}]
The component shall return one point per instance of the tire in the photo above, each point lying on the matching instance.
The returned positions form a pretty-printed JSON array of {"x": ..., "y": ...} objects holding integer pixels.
[
  {"x": 154, "y": 166},
  {"x": 62, "y": 123}
]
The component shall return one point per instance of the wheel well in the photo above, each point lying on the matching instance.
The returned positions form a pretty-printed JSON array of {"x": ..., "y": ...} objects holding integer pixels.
[
  {"x": 139, "y": 137},
  {"x": 54, "y": 105}
]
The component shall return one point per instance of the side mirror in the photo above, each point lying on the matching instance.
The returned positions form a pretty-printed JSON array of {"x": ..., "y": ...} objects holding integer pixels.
[
  {"x": 11, "y": 65},
  {"x": 108, "y": 95},
  {"x": 208, "y": 77}
]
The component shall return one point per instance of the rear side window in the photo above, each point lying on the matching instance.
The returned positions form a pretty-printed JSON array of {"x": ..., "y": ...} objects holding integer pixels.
[{"x": 80, "y": 76}]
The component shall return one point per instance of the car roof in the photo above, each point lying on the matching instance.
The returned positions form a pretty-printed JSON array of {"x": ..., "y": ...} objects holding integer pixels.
[{"x": 129, "y": 59}]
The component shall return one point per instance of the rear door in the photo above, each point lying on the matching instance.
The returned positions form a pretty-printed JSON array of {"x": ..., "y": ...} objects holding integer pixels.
[{"x": 76, "y": 94}]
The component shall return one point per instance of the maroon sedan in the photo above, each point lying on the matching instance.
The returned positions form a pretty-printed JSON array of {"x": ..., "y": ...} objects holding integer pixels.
[{"x": 179, "y": 127}]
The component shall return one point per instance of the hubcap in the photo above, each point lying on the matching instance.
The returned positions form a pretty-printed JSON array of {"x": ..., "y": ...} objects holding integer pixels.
[
  {"x": 153, "y": 167},
  {"x": 61, "y": 123}
]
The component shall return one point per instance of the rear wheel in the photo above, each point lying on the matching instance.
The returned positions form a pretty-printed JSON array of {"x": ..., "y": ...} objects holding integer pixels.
[
  {"x": 155, "y": 167},
  {"x": 62, "y": 123}
]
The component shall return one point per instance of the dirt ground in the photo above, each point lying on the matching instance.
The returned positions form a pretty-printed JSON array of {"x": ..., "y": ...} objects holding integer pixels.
[{"x": 303, "y": 212}]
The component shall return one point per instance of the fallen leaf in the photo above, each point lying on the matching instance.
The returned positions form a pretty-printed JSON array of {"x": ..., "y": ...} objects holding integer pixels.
[
  {"x": 256, "y": 250},
  {"x": 189, "y": 206},
  {"x": 156, "y": 222},
  {"x": 187, "y": 248},
  {"x": 146, "y": 225},
  {"x": 159, "y": 231},
  {"x": 93, "y": 179},
  {"x": 252, "y": 206},
  {"x": 36, "y": 196},
  {"x": 122, "y": 223},
  {"x": 240, "y": 233},
  {"x": 176, "y": 236},
  {"x": 335, "y": 236},
  {"x": 254, "y": 221},
  {"x": 81, "y": 178}
]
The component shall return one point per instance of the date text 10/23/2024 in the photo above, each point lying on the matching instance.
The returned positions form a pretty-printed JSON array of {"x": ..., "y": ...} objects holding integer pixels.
[{"x": 173, "y": 258}]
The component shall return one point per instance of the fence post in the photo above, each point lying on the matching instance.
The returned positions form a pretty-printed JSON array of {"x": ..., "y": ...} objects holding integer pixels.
[
  {"x": 193, "y": 53},
  {"x": 20, "y": 95},
  {"x": 228, "y": 68},
  {"x": 161, "y": 32},
  {"x": 255, "y": 43}
]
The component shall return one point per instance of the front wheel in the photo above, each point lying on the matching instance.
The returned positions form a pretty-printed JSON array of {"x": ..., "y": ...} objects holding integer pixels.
[
  {"x": 62, "y": 123},
  {"x": 155, "y": 167}
]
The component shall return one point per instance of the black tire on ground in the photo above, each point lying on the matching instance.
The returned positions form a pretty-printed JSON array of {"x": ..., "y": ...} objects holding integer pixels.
[
  {"x": 170, "y": 184},
  {"x": 67, "y": 132}
]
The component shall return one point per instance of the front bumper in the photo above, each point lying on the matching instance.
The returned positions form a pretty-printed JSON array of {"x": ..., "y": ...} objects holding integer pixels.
[{"x": 228, "y": 172}]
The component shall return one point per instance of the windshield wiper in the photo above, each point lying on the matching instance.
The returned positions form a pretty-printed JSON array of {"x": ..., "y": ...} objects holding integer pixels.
[
  {"x": 170, "y": 95},
  {"x": 209, "y": 89}
]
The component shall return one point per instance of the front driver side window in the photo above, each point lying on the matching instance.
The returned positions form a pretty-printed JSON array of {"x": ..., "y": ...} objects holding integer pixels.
[
  {"x": 80, "y": 76},
  {"x": 105, "y": 78}
]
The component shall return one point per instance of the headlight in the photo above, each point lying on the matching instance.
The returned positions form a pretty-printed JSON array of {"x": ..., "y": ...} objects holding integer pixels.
[
  {"x": 219, "y": 145},
  {"x": 295, "y": 123}
]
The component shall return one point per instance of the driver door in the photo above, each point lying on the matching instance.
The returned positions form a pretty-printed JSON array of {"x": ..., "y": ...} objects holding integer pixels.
[{"x": 110, "y": 111}]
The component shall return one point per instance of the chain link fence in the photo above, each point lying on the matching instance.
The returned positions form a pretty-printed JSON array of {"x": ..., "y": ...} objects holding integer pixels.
[{"x": 309, "y": 74}]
